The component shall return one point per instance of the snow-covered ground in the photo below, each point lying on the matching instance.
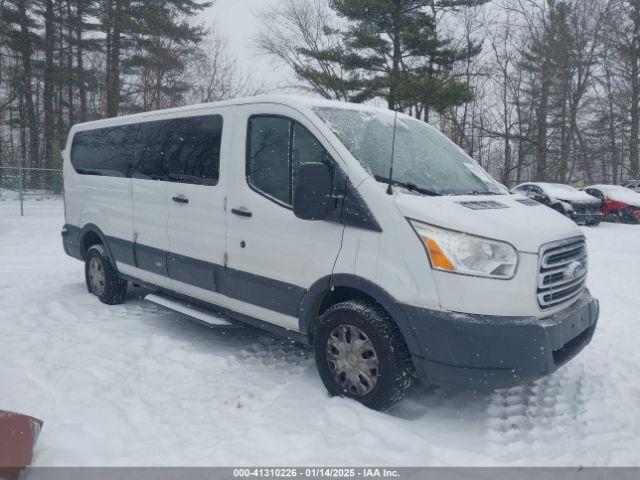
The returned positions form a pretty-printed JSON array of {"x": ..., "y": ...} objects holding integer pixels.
[{"x": 137, "y": 385}]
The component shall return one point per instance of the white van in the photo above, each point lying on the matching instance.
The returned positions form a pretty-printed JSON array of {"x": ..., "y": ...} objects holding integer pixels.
[{"x": 288, "y": 214}]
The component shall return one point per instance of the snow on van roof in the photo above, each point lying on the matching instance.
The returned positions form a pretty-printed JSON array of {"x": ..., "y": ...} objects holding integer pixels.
[{"x": 295, "y": 101}]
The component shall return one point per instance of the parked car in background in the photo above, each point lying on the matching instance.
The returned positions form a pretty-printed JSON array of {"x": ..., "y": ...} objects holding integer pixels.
[
  {"x": 581, "y": 207},
  {"x": 633, "y": 185},
  {"x": 619, "y": 204}
]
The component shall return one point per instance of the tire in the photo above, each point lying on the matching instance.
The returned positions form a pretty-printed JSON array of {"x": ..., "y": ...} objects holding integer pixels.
[
  {"x": 102, "y": 279},
  {"x": 613, "y": 217},
  {"x": 628, "y": 218},
  {"x": 381, "y": 356}
]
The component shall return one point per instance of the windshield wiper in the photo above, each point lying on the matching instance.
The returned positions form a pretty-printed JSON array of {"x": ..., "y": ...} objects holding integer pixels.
[
  {"x": 412, "y": 187},
  {"x": 476, "y": 193}
]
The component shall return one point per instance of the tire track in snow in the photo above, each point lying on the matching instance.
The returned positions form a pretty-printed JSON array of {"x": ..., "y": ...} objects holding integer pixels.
[{"x": 562, "y": 417}]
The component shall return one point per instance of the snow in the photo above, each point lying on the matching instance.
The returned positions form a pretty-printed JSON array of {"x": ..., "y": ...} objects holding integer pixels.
[
  {"x": 619, "y": 194},
  {"x": 564, "y": 192},
  {"x": 139, "y": 385}
]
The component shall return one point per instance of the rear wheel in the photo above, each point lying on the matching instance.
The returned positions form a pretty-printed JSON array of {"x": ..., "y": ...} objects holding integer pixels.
[
  {"x": 102, "y": 279},
  {"x": 361, "y": 354}
]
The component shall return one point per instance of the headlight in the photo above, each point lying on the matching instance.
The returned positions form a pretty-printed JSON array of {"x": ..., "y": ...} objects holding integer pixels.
[{"x": 466, "y": 254}]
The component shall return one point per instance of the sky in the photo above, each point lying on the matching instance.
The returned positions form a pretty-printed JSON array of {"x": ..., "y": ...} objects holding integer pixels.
[{"x": 237, "y": 21}]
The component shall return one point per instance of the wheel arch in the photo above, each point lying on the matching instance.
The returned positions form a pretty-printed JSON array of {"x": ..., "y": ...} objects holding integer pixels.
[
  {"x": 92, "y": 235},
  {"x": 333, "y": 289}
]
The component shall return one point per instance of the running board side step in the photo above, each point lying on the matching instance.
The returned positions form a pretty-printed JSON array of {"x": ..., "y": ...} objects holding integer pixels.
[{"x": 209, "y": 318}]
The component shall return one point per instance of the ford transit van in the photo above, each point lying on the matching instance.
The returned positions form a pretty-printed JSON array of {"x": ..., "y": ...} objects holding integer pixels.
[{"x": 362, "y": 232}]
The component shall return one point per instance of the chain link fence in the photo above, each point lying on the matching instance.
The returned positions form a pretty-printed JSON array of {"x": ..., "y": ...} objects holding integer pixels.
[{"x": 26, "y": 191}]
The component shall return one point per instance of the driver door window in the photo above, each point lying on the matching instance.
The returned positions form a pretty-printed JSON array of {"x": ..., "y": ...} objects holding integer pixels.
[{"x": 276, "y": 148}]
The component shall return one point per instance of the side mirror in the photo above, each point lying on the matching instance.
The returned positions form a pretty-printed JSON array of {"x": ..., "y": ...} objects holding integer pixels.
[{"x": 312, "y": 196}]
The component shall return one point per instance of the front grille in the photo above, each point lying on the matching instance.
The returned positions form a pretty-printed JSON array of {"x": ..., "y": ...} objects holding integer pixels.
[{"x": 563, "y": 272}]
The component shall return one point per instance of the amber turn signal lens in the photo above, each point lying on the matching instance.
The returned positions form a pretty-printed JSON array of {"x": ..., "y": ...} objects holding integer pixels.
[{"x": 438, "y": 257}]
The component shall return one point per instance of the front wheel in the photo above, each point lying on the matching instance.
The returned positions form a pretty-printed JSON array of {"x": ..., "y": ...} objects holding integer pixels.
[
  {"x": 102, "y": 279},
  {"x": 361, "y": 354},
  {"x": 613, "y": 217}
]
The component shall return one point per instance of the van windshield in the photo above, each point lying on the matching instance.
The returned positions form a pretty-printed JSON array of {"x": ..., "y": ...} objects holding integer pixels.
[{"x": 424, "y": 159}]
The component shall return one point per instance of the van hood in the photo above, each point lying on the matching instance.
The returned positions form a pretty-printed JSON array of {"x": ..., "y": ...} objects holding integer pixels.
[{"x": 525, "y": 224}]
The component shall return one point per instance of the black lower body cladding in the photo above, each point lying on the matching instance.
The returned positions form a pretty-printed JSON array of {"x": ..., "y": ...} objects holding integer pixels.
[
  {"x": 71, "y": 241},
  {"x": 481, "y": 351}
]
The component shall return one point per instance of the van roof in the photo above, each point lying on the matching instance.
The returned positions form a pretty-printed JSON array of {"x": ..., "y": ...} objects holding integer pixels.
[{"x": 289, "y": 100}]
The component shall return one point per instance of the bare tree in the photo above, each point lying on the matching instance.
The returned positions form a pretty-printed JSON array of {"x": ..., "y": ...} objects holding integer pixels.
[
  {"x": 214, "y": 74},
  {"x": 295, "y": 26}
]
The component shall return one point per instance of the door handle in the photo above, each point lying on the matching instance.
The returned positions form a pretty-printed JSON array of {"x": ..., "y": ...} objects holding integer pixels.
[
  {"x": 243, "y": 212},
  {"x": 181, "y": 199}
]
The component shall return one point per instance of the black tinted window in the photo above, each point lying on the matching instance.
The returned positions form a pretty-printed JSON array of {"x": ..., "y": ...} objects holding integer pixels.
[
  {"x": 104, "y": 151},
  {"x": 150, "y": 150},
  {"x": 181, "y": 150},
  {"x": 194, "y": 150},
  {"x": 277, "y": 147},
  {"x": 268, "y": 158}
]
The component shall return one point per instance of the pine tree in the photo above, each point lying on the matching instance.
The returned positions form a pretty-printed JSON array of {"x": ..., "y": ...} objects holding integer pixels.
[
  {"x": 545, "y": 59},
  {"x": 392, "y": 50},
  {"x": 139, "y": 34},
  {"x": 22, "y": 39}
]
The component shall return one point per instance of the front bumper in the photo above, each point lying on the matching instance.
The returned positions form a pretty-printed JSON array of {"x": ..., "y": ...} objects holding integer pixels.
[
  {"x": 482, "y": 351},
  {"x": 588, "y": 218}
]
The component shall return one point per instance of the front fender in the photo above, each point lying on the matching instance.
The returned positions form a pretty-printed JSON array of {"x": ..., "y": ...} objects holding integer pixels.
[{"x": 312, "y": 299}]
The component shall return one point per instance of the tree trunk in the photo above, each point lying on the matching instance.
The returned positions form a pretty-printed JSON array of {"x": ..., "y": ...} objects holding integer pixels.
[
  {"x": 71, "y": 76},
  {"x": 541, "y": 124},
  {"x": 82, "y": 89},
  {"x": 49, "y": 125},
  {"x": 113, "y": 63},
  {"x": 26, "y": 51},
  {"x": 634, "y": 167}
]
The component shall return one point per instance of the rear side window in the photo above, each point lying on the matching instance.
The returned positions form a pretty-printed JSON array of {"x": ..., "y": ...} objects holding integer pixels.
[
  {"x": 181, "y": 150},
  {"x": 150, "y": 150},
  {"x": 194, "y": 150},
  {"x": 276, "y": 148},
  {"x": 105, "y": 151}
]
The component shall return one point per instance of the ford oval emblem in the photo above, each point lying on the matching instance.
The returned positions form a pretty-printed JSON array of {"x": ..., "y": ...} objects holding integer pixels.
[{"x": 575, "y": 270}]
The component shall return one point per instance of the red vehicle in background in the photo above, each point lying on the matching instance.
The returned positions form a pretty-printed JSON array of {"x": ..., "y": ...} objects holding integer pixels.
[{"x": 619, "y": 204}]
